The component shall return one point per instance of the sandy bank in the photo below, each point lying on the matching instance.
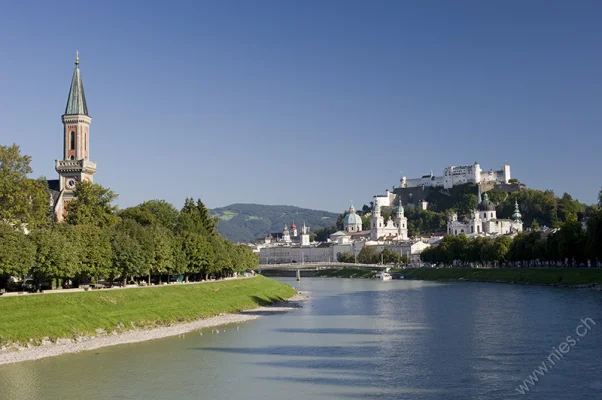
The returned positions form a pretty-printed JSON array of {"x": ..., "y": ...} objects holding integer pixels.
[{"x": 64, "y": 346}]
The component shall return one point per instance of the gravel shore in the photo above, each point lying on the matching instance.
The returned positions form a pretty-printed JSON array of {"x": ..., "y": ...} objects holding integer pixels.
[{"x": 64, "y": 346}]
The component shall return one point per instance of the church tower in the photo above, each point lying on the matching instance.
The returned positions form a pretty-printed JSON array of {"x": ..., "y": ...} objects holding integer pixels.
[
  {"x": 401, "y": 222},
  {"x": 377, "y": 222},
  {"x": 76, "y": 165}
]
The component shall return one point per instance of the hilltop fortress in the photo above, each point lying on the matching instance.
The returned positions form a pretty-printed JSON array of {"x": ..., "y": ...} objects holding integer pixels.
[{"x": 460, "y": 175}]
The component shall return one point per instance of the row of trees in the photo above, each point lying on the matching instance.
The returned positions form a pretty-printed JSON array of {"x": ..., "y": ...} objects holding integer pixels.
[
  {"x": 371, "y": 255},
  {"x": 571, "y": 244},
  {"x": 98, "y": 241}
]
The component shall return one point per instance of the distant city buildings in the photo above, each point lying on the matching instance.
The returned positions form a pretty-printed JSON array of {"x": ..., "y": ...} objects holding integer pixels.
[{"x": 392, "y": 233}]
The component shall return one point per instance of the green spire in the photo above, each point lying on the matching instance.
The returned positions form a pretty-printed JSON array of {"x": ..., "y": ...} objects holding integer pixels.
[
  {"x": 517, "y": 215},
  {"x": 400, "y": 209},
  {"x": 76, "y": 103}
]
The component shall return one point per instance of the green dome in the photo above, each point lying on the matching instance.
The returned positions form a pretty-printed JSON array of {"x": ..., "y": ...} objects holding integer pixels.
[
  {"x": 486, "y": 204},
  {"x": 352, "y": 219}
]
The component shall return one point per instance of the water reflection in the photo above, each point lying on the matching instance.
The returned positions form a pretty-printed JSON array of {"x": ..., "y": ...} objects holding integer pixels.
[{"x": 353, "y": 339}]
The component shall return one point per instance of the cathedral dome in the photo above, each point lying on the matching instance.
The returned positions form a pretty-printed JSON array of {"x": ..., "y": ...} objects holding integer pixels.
[
  {"x": 486, "y": 204},
  {"x": 352, "y": 219}
]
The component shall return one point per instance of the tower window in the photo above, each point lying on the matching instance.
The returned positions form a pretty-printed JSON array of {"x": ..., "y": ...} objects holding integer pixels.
[
  {"x": 72, "y": 140},
  {"x": 86, "y": 141}
]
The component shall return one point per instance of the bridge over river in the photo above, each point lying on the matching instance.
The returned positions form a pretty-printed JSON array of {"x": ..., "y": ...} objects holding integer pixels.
[{"x": 310, "y": 269}]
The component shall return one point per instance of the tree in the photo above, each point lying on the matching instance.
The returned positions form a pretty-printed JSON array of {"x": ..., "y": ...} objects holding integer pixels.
[
  {"x": 153, "y": 213},
  {"x": 322, "y": 234},
  {"x": 571, "y": 241},
  {"x": 17, "y": 253},
  {"x": 198, "y": 254},
  {"x": 127, "y": 255},
  {"x": 390, "y": 257},
  {"x": 58, "y": 253},
  {"x": 22, "y": 200},
  {"x": 145, "y": 240},
  {"x": 368, "y": 255},
  {"x": 197, "y": 218},
  {"x": 96, "y": 251},
  {"x": 346, "y": 257},
  {"x": 92, "y": 206},
  {"x": 223, "y": 260}
]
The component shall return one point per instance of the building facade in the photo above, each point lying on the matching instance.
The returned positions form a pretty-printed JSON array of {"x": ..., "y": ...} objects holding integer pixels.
[
  {"x": 459, "y": 175},
  {"x": 396, "y": 229},
  {"x": 484, "y": 221}
]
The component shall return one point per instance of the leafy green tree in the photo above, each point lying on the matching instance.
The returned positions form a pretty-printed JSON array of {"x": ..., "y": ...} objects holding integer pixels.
[
  {"x": 197, "y": 218},
  {"x": 199, "y": 255},
  {"x": 58, "y": 254},
  {"x": 17, "y": 253},
  {"x": 22, "y": 200},
  {"x": 571, "y": 241},
  {"x": 153, "y": 213},
  {"x": 321, "y": 235},
  {"x": 368, "y": 255},
  {"x": 223, "y": 260},
  {"x": 390, "y": 257},
  {"x": 163, "y": 259},
  {"x": 92, "y": 206},
  {"x": 594, "y": 237},
  {"x": 128, "y": 257},
  {"x": 346, "y": 257},
  {"x": 96, "y": 251},
  {"x": 145, "y": 240}
]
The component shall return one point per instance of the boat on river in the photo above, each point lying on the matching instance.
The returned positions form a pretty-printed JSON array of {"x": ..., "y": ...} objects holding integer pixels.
[{"x": 384, "y": 276}]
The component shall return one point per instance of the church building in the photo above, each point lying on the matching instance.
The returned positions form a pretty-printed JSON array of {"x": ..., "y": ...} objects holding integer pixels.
[{"x": 75, "y": 165}]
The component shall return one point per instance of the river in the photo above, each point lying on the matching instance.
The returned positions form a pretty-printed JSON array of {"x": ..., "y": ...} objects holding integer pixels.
[{"x": 354, "y": 339}]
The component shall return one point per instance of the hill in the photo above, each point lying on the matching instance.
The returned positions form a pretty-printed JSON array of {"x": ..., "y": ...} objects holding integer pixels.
[{"x": 245, "y": 222}]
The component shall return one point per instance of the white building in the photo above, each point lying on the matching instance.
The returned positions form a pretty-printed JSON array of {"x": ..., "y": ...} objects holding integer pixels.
[
  {"x": 352, "y": 222},
  {"x": 385, "y": 200},
  {"x": 484, "y": 221},
  {"x": 396, "y": 230},
  {"x": 459, "y": 175}
]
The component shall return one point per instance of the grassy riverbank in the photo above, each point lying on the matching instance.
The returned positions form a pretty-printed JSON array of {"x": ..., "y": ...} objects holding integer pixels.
[
  {"x": 69, "y": 315},
  {"x": 516, "y": 275}
]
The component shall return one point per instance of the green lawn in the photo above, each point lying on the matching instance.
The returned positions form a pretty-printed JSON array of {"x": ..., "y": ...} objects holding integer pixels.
[
  {"x": 73, "y": 314},
  {"x": 521, "y": 275}
]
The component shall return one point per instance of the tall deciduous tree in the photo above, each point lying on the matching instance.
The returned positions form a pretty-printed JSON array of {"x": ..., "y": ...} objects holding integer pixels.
[
  {"x": 23, "y": 201},
  {"x": 17, "y": 253},
  {"x": 92, "y": 206},
  {"x": 96, "y": 251},
  {"x": 58, "y": 253}
]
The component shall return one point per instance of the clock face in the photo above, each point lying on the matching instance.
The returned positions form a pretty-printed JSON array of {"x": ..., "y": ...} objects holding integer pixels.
[{"x": 70, "y": 183}]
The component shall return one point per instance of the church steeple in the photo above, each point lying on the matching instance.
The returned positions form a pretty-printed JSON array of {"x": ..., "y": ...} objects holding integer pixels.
[
  {"x": 75, "y": 165},
  {"x": 76, "y": 102}
]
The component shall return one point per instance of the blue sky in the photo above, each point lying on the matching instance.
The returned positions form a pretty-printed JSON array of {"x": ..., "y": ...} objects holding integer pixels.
[{"x": 308, "y": 103}]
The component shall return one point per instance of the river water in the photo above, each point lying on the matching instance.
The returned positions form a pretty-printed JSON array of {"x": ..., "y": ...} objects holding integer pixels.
[{"x": 354, "y": 339}]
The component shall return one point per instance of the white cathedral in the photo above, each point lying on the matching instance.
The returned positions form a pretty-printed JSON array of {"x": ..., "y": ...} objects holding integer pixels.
[
  {"x": 396, "y": 229},
  {"x": 484, "y": 221}
]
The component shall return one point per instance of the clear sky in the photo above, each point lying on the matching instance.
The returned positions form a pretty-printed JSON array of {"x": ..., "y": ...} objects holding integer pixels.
[{"x": 308, "y": 103}]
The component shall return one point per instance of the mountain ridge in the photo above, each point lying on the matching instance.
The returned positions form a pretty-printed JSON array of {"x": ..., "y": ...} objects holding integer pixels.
[{"x": 245, "y": 222}]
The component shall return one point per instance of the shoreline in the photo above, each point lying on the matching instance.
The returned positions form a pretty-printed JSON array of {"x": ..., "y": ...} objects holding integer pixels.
[{"x": 67, "y": 346}]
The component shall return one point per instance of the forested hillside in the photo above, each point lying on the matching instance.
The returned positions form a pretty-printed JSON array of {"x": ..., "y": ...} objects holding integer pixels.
[{"x": 245, "y": 222}]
